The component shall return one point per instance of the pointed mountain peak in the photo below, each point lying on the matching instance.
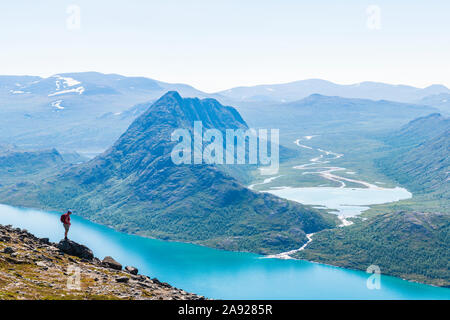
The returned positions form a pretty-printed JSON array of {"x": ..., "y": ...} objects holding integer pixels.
[
  {"x": 170, "y": 96},
  {"x": 173, "y": 110},
  {"x": 439, "y": 87}
]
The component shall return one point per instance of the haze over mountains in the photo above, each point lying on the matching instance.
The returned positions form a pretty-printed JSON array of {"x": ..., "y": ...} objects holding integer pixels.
[
  {"x": 135, "y": 187},
  {"x": 91, "y": 83},
  {"x": 300, "y": 89},
  {"x": 320, "y": 115},
  {"x": 440, "y": 101},
  {"x": 88, "y": 111}
]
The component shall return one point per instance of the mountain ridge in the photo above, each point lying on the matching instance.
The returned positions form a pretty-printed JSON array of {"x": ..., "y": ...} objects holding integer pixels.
[
  {"x": 296, "y": 90},
  {"x": 86, "y": 112},
  {"x": 34, "y": 268},
  {"x": 306, "y": 86}
]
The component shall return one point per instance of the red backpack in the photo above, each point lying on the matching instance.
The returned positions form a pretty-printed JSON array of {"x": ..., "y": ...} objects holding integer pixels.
[{"x": 63, "y": 218}]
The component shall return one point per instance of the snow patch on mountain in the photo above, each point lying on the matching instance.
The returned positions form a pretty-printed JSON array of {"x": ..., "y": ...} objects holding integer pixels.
[
  {"x": 57, "y": 104},
  {"x": 78, "y": 90},
  {"x": 64, "y": 85},
  {"x": 68, "y": 82}
]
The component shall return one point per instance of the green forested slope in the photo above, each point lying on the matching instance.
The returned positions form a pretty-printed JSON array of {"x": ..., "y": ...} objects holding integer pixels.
[
  {"x": 410, "y": 245},
  {"x": 420, "y": 159}
]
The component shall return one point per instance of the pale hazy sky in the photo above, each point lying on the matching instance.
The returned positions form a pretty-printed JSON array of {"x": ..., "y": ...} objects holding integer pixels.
[{"x": 215, "y": 45}]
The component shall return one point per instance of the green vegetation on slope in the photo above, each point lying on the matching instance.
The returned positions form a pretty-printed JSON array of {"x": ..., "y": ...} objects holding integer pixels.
[
  {"x": 25, "y": 165},
  {"x": 419, "y": 160},
  {"x": 413, "y": 246}
]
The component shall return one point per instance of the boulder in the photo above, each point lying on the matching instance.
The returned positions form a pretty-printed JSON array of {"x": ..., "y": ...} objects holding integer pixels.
[
  {"x": 141, "y": 278},
  {"x": 5, "y": 238},
  {"x": 122, "y": 279},
  {"x": 8, "y": 250},
  {"x": 75, "y": 249},
  {"x": 162, "y": 284},
  {"x": 111, "y": 263},
  {"x": 131, "y": 270}
]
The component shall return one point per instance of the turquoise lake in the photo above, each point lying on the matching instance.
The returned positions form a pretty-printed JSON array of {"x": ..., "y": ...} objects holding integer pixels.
[{"x": 215, "y": 273}]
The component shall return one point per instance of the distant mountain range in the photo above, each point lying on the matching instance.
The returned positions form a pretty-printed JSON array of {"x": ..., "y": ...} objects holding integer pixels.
[
  {"x": 89, "y": 83},
  {"x": 83, "y": 111},
  {"x": 319, "y": 115},
  {"x": 94, "y": 83},
  {"x": 135, "y": 187},
  {"x": 297, "y": 90},
  {"x": 440, "y": 101},
  {"x": 88, "y": 111}
]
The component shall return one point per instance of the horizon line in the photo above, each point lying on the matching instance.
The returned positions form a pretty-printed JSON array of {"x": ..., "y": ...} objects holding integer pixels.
[{"x": 46, "y": 76}]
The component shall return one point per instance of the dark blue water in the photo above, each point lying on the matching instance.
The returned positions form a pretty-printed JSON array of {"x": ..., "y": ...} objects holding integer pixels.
[{"x": 219, "y": 274}]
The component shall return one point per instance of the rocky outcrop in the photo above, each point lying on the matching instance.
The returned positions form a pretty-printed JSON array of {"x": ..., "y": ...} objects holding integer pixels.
[
  {"x": 123, "y": 279},
  {"x": 32, "y": 268},
  {"x": 111, "y": 263},
  {"x": 131, "y": 270},
  {"x": 75, "y": 249},
  {"x": 8, "y": 250}
]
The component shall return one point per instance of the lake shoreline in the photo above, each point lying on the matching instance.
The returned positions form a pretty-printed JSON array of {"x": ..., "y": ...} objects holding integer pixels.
[
  {"x": 52, "y": 263},
  {"x": 254, "y": 255}
]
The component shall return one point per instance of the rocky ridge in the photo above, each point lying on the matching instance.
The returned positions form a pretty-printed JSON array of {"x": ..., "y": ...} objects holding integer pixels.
[{"x": 34, "y": 268}]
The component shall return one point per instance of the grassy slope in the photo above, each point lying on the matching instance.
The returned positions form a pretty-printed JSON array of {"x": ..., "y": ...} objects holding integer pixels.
[{"x": 39, "y": 271}]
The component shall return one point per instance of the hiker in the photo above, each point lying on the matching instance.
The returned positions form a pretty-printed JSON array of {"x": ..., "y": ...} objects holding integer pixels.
[{"x": 65, "y": 219}]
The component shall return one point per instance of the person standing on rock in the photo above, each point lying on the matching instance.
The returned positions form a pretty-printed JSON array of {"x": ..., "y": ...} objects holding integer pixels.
[{"x": 65, "y": 219}]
